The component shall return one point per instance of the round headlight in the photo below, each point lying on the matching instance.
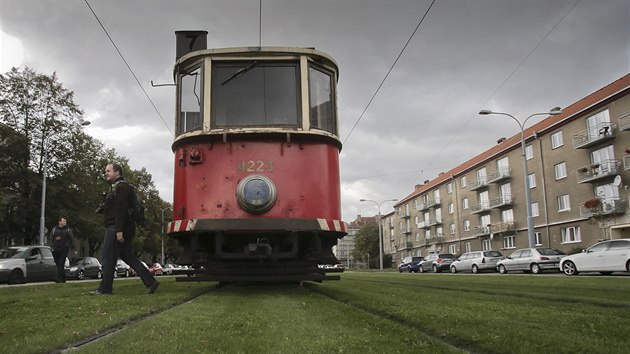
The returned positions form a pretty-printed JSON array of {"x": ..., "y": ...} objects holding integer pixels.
[{"x": 256, "y": 194}]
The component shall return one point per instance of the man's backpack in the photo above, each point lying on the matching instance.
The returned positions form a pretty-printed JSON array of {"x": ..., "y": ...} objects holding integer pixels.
[{"x": 136, "y": 210}]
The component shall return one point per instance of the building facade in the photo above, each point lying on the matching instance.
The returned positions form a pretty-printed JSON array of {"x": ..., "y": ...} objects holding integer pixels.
[
  {"x": 345, "y": 246},
  {"x": 578, "y": 171}
]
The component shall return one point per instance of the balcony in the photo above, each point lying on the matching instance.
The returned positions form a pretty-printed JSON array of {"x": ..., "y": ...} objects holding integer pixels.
[
  {"x": 501, "y": 201},
  {"x": 406, "y": 231},
  {"x": 480, "y": 230},
  {"x": 423, "y": 225},
  {"x": 409, "y": 245},
  {"x": 436, "y": 240},
  {"x": 433, "y": 202},
  {"x": 480, "y": 208},
  {"x": 624, "y": 121},
  {"x": 434, "y": 221},
  {"x": 478, "y": 184},
  {"x": 499, "y": 175},
  {"x": 597, "y": 134},
  {"x": 609, "y": 207},
  {"x": 503, "y": 227},
  {"x": 598, "y": 171}
]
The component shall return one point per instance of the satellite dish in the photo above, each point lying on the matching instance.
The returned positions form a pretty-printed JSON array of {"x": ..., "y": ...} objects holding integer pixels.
[{"x": 617, "y": 181}]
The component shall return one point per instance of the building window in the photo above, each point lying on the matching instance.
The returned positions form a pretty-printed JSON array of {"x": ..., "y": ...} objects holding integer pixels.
[
  {"x": 571, "y": 234},
  {"x": 538, "y": 237},
  {"x": 452, "y": 228},
  {"x": 564, "y": 203},
  {"x": 451, "y": 210},
  {"x": 556, "y": 140},
  {"x": 508, "y": 242},
  {"x": 462, "y": 182},
  {"x": 427, "y": 234},
  {"x": 452, "y": 249},
  {"x": 465, "y": 203},
  {"x": 535, "y": 210},
  {"x": 417, "y": 236},
  {"x": 449, "y": 188},
  {"x": 531, "y": 179},
  {"x": 486, "y": 245},
  {"x": 560, "y": 170},
  {"x": 529, "y": 152},
  {"x": 466, "y": 225},
  {"x": 468, "y": 247}
]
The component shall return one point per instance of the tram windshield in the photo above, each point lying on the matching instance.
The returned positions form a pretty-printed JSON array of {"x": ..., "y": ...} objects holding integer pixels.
[
  {"x": 255, "y": 94},
  {"x": 190, "y": 102}
]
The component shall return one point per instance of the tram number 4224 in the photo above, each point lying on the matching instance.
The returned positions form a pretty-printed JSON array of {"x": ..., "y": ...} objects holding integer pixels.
[{"x": 255, "y": 166}]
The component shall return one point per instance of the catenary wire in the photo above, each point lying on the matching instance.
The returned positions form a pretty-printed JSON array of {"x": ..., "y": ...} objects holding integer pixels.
[
  {"x": 388, "y": 72},
  {"x": 128, "y": 67}
]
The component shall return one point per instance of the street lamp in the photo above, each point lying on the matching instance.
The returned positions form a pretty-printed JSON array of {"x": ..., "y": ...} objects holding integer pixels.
[
  {"x": 380, "y": 229},
  {"x": 530, "y": 222},
  {"x": 162, "y": 210},
  {"x": 42, "y": 217}
]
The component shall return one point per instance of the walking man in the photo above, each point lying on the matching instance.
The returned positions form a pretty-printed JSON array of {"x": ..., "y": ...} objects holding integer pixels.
[
  {"x": 61, "y": 245},
  {"x": 119, "y": 232}
]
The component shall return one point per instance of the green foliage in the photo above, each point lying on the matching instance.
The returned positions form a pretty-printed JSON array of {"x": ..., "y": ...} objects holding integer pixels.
[{"x": 366, "y": 242}]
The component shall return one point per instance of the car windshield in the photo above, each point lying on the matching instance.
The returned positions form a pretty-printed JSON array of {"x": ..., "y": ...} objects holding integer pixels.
[
  {"x": 77, "y": 262},
  {"x": 447, "y": 256},
  {"x": 417, "y": 259},
  {"x": 492, "y": 254},
  {"x": 13, "y": 252},
  {"x": 550, "y": 252}
]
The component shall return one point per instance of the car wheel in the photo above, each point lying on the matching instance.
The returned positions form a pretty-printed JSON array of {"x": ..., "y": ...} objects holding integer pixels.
[
  {"x": 16, "y": 277},
  {"x": 628, "y": 266},
  {"x": 435, "y": 269},
  {"x": 535, "y": 268},
  {"x": 80, "y": 275},
  {"x": 399, "y": 270},
  {"x": 99, "y": 275},
  {"x": 410, "y": 271},
  {"x": 569, "y": 268},
  {"x": 453, "y": 270},
  {"x": 502, "y": 269},
  {"x": 475, "y": 269}
]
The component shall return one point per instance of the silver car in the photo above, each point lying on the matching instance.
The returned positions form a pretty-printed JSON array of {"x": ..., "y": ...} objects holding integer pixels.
[
  {"x": 477, "y": 261},
  {"x": 533, "y": 260},
  {"x": 604, "y": 257}
]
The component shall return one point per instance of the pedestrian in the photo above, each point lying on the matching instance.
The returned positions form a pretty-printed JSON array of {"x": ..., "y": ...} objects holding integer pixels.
[
  {"x": 62, "y": 243},
  {"x": 120, "y": 229}
]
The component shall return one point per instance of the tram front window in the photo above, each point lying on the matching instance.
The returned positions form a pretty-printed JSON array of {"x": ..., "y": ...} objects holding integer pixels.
[
  {"x": 255, "y": 94},
  {"x": 190, "y": 102},
  {"x": 322, "y": 108}
]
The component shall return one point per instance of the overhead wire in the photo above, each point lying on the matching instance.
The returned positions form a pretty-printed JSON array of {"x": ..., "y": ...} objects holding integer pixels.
[
  {"x": 388, "y": 72},
  {"x": 128, "y": 66}
]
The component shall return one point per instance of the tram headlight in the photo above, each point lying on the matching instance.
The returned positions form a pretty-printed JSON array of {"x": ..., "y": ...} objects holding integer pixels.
[{"x": 256, "y": 194}]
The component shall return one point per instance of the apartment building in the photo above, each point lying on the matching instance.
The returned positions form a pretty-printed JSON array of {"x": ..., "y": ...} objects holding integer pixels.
[
  {"x": 578, "y": 170},
  {"x": 345, "y": 246}
]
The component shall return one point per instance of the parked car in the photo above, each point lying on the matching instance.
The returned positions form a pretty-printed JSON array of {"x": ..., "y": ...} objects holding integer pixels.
[
  {"x": 604, "y": 257},
  {"x": 533, "y": 260},
  {"x": 436, "y": 262},
  {"x": 410, "y": 264},
  {"x": 122, "y": 269},
  {"x": 171, "y": 269},
  {"x": 23, "y": 264},
  {"x": 476, "y": 261},
  {"x": 156, "y": 269},
  {"x": 84, "y": 267}
]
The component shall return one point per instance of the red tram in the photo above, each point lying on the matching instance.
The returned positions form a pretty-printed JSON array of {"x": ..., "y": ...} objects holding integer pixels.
[{"x": 257, "y": 193}]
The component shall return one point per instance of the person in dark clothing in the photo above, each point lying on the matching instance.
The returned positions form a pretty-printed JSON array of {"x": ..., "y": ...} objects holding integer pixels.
[
  {"x": 119, "y": 232},
  {"x": 62, "y": 243}
]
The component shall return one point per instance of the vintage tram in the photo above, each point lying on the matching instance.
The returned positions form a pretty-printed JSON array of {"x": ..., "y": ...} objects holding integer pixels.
[{"x": 256, "y": 179}]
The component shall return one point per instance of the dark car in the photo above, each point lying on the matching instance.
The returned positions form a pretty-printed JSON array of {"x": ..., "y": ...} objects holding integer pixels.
[
  {"x": 84, "y": 267},
  {"x": 23, "y": 264},
  {"x": 410, "y": 264},
  {"x": 437, "y": 262}
]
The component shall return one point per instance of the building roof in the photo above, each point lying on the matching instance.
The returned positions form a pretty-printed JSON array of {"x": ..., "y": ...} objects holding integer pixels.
[
  {"x": 569, "y": 113},
  {"x": 362, "y": 221}
]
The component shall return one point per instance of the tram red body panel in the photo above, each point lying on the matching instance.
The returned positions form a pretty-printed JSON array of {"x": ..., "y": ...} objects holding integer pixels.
[{"x": 306, "y": 175}]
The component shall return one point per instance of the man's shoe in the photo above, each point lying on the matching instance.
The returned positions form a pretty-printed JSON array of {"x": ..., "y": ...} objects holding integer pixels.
[{"x": 151, "y": 289}]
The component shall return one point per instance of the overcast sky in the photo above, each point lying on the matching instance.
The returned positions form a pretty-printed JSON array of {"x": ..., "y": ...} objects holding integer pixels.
[{"x": 515, "y": 56}]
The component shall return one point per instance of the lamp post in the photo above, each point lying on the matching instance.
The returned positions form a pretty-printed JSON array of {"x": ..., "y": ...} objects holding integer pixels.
[
  {"x": 530, "y": 222},
  {"x": 380, "y": 229},
  {"x": 162, "y": 210},
  {"x": 42, "y": 217}
]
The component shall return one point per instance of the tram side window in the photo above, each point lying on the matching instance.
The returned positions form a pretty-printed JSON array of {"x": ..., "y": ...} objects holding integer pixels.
[
  {"x": 255, "y": 94},
  {"x": 190, "y": 102},
  {"x": 321, "y": 97}
]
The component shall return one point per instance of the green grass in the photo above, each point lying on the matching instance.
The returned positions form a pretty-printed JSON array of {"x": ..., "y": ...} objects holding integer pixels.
[{"x": 373, "y": 312}]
